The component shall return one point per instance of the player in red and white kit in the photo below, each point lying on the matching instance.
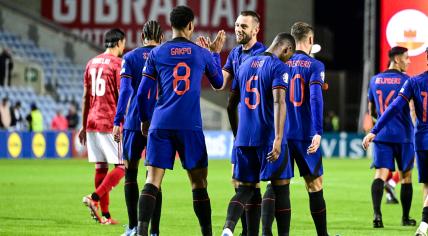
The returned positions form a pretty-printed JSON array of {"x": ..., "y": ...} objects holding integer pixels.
[{"x": 100, "y": 96}]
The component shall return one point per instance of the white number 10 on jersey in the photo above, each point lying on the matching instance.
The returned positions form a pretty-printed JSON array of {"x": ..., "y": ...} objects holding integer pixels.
[{"x": 98, "y": 83}]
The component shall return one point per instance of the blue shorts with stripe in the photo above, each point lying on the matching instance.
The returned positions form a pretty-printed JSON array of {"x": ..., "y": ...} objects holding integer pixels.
[
  {"x": 163, "y": 144},
  {"x": 384, "y": 154},
  {"x": 251, "y": 165},
  {"x": 308, "y": 164},
  {"x": 134, "y": 143}
]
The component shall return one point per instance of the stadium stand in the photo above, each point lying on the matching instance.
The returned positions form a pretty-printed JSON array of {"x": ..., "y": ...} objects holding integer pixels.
[{"x": 60, "y": 74}]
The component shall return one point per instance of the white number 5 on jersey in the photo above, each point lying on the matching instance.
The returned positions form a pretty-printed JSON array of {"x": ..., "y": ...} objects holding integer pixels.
[{"x": 98, "y": 83}]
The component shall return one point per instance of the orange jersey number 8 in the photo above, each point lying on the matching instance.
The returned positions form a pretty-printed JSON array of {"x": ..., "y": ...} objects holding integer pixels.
[{"x": 184, "y": 78}]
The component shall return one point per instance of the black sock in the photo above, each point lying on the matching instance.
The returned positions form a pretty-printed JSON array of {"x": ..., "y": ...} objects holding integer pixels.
[
  {"x": 377, "y": 192},
  {"x": 253, "y": 213},
  {"x": 155, "y": 220},
  {"x": 237, "y": 205},
  {"x": 146, "y": 206},
  {"x": 106, "y": 215},
  {"x": 131, "y": 196},
  {"x": 202, "y": 208},
  {"x": 425, "y": 215},
  {"x": 406, "y": 194},
  {"x": 243, "y": 220},
  {"x": 319, "y": 212},
  {"x": 95, "y": 197},
  {"x": 268, "y": 211},
  {"x": 283, "y": 209}
]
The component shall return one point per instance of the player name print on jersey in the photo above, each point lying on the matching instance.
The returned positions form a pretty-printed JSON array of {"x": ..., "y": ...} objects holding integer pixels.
[{"x": 388, "y": 81}]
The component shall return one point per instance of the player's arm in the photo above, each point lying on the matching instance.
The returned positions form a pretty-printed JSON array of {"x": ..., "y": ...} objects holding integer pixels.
[
  {"x": 147, "y": 82},
  {"x": 371, "y": 106},
  {"x": 232, "y": 110},
  {"x": 85, "y": 110},
  {"x": 391, "y": 111},
  {"x": 280, "y": 74},
  {"x": 125, "y": 92},
  {"x": 412, "y": 111},
  {"x": 213, "y": 63},
  {"x": 317, "y": 106},
  {"x": 279, "y": 121},
  {"x": 227, "y": 77}
]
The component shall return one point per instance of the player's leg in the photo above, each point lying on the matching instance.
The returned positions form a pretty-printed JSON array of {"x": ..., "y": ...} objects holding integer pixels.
[
  {"x": 268, "y": 210},
  {"x": 317, "y": 203},
  {"x": 269, "y": 203},
  {"x": 201, "y": 199},
  {"x": 101, "y": 170},
  {"x": 422, "y": 163},
  {"x": 390, "y": 183},
  {"x": 279, "y": 173},
  {"x": 148, "y": 198},
  {"x": 235, "y": 184},
  {"x": 247, "y": 171},
  {"x": 311, "y": 168},
  {"x": 383, "y": 162},
  {"x": 405, "y": 158},
  {"x": 156, "y": 216},
  {"x": 112, "y": 151},
  {"x": 133, "y": 145},
  {"x": 194, "y": 158},
  {"x": 160, "y": 156}
]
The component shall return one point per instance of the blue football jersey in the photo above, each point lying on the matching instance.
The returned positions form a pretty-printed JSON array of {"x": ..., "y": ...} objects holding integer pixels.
[
  {"x": 257, "y": 77},
  {"x": 416, "y": 88},
  {"x": 178, "y": 67},
  {"x": 384, "y": 88},
  {"x": 239, "y": 55},
  {"x": 304, "y": 97},
  {"x": 132, "y": 67}
]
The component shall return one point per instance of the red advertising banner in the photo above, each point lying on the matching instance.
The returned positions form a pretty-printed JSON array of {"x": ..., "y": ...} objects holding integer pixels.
[
  {"x": 404, "y": 23},
  {"x": 91, "y": 18}
]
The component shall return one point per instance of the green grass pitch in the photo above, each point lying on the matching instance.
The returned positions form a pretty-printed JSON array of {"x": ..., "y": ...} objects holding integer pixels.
[{"x": 43, "y": 197}]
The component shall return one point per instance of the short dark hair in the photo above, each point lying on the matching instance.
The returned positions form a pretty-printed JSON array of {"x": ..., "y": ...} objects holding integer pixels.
[
  {"x": 396, "y": 51},
  {"x": 251, "y": 13},
  {"x": 181, "y": 16},
  {"x": 152, "y": 31},
  {"x": 300, "y": 30},
  {"x": 112, "y": 37},
  {"x": 282, "y": 38}
]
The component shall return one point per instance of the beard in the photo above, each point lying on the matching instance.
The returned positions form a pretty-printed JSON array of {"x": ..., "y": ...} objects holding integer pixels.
[{"x": 244, "y": 39}]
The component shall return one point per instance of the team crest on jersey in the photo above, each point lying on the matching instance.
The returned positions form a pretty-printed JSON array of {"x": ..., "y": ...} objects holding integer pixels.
[
  {"x": 322, "y": 75},
  {"x": 285, "y": 77}
]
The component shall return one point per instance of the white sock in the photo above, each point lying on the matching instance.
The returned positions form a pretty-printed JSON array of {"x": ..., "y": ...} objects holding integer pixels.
[
  {"x": 388, "y": 196},
  {"x": 423, "y": 227},
  {"x": 227, "y": 232},
  {"x": 392, "y": 183}
]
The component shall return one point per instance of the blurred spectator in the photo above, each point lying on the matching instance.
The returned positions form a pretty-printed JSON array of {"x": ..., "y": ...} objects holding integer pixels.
[
  {"x": 5, "y": 114},
  {"x": 18, "y": 122},
  {"x": 35, "y": 119},
  {"x": 331, "y": 122},
  {"x": 59, "y": 122},
  {"x": 6, "y": 66},
  {"x": 72, "y": 117}
]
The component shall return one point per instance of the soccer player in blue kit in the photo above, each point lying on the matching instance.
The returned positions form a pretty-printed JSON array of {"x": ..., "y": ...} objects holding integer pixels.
[
  {"x": 415, "y": 88},
  {"x": 395, "y": 141},
  {"x": 305, "y": 118},
  {"x": 177, "y": 66},
  {"x": 133, "y": 140},
  {"x": 247, "y": 26},
  {"x": 261, "y": 152}
]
